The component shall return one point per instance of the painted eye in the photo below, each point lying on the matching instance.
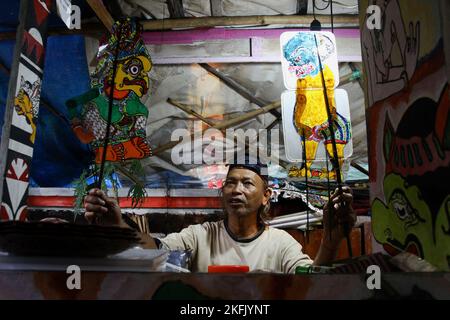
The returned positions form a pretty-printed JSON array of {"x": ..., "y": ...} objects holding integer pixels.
[
  {"x": 135, "y": 67},
  {"x": 134, "y": 70},
  {"x": 400, "y": 205}
]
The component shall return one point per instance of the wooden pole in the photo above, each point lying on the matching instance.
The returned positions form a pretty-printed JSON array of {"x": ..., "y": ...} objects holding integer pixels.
[
  {"x": 102, "y": 13},
  {"x": 210, "y": 22}
]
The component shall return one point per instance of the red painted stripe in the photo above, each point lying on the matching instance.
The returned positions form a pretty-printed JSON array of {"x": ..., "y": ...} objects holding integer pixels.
[{"x": 151, "y": 202}]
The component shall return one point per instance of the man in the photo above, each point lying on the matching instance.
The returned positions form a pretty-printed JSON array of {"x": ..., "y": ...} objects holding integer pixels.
[{"x": 242, "y": 238}]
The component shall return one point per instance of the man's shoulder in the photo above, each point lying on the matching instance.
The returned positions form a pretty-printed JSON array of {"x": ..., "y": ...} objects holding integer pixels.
[
  {"x": 279, "y": 233},
  {"x": 212, "y": 225},
  {"x": 207, "y": 226}
]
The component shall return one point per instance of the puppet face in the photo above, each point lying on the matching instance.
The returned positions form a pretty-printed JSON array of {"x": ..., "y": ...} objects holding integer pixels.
[{"x": 132, "y": 75}]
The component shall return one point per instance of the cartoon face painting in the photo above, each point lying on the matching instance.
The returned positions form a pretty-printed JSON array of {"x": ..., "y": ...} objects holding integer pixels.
[
  {"x": 301, "y": 54},
  {"x": 132, "y": 75}
]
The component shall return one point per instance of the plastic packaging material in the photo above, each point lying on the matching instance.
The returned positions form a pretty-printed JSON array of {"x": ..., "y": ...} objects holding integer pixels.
[
  {"x": 312, "y": 269},
  {"x": 180, "y": 258}
]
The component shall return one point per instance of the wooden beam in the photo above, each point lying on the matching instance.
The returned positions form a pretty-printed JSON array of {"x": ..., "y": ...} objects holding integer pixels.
[
  {"x": 216, "y": 8},
  {"x": 96, "y": 29},
  {"x": 238, "y": 88},
  {"x": 176, "y": 9},
  {"x": 205, "y": 22},
  {"x": 102, "y": 13}
]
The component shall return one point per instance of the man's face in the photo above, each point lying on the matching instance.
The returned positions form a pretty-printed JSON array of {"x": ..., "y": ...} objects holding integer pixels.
[{"x": 244, "y": 192}]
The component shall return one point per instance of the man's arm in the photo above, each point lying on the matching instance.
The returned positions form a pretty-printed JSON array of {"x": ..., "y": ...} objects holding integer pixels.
[
  {"x": 101, "y": 209},
  {"x": 342, "y": 212}
]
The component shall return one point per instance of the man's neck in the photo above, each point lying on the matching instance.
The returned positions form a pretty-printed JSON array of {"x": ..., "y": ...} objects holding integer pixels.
[{"x": 242, "y": 227}]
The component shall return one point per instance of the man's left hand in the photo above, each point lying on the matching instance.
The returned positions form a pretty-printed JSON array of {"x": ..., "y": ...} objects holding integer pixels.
[{"x": 342, "y": 217}]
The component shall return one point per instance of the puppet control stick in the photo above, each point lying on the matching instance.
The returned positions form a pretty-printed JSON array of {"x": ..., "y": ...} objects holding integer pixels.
[
  {"x": 110, "y": 107},
  {"x": 334, "y": 159}
]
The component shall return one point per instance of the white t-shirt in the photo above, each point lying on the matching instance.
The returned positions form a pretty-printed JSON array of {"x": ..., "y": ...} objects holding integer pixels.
[{"x": 274, "y": 250}]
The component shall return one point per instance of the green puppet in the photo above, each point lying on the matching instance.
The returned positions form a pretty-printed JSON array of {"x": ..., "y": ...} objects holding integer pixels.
[{"x": 129, "y": 115}]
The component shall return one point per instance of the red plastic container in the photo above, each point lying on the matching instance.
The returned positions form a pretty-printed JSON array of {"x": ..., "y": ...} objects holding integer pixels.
[{"x": 228, "y": 269}]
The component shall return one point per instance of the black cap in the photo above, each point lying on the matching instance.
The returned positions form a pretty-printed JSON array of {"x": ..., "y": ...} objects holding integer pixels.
[{"x": 250, "y": 163}]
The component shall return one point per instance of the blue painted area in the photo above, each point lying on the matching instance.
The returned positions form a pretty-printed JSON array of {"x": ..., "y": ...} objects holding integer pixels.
[
  {"x": 301, "y": 53},
  {"x": 59, "y": 157}
]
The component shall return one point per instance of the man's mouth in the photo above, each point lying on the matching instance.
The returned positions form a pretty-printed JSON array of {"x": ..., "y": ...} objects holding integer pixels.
[{"x": 236, "y": 201}]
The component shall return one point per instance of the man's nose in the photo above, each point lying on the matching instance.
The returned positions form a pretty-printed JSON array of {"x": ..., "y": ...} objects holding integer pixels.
[{"x": 237, "y": 189}]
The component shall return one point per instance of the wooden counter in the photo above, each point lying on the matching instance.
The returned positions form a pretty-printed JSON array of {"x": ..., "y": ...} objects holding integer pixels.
[{"x": 129, "y": 285}]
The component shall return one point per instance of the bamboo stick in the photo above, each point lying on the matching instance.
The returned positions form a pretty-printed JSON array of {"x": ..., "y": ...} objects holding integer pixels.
[
  {"x": 203, "y": 22},
  {"x": 128, "y": 174},
  {"x": 224, "y": 124},
  {"x": 247, "y": 116},
  {"x": 237, "y": 87},
  {"x": 186, "y": 109}
]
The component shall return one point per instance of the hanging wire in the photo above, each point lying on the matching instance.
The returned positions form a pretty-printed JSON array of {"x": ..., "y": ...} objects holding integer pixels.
[
  {"x": 332, "y": 16},
  {"x": 330, "y": 220},
  {"x": 305, "y": 165},
  {"x": 320, "y": 9},
  {"x": 314, "y": 9}
]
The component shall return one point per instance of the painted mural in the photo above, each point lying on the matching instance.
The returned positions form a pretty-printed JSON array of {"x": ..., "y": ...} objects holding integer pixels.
[
  {"x": 305, "y": 117},
  {"x": 129, "y": 114},
  {"x": 409, "y": 129},
  {"x": 22, "y": 108}
]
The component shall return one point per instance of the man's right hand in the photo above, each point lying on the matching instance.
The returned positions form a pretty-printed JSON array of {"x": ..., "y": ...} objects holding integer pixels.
[{"x": 101, "y": 209}]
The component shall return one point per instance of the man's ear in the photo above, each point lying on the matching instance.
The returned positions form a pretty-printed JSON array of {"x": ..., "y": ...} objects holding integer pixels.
[{"x": 267, "y": 194}]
